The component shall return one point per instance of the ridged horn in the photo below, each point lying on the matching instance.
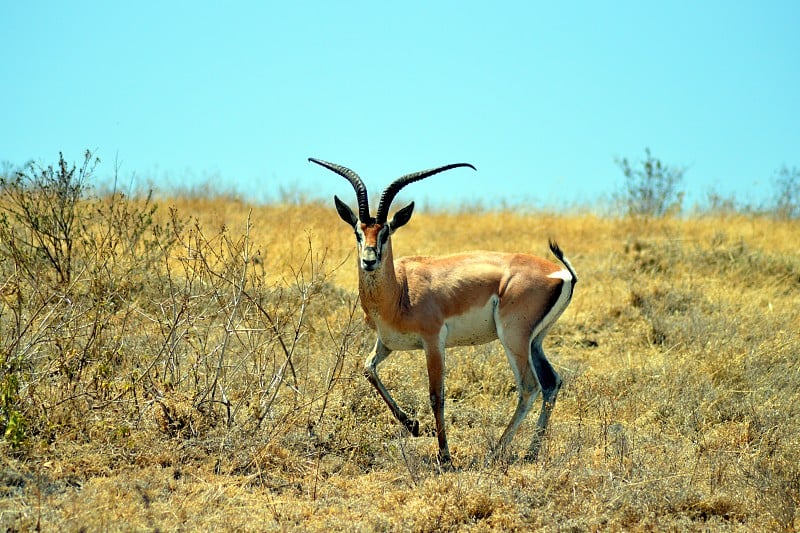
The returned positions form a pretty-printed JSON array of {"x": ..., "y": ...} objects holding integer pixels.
[
  {"x": 355, "y": 181},
  {"x": 391, "y": 191}
]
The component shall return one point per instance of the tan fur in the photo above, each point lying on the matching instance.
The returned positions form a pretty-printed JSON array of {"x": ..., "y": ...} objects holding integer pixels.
[{"x": 421, "y": 293}]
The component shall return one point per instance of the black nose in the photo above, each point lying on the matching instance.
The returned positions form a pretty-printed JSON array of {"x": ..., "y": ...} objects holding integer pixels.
[{"x": 369, "y": 264}]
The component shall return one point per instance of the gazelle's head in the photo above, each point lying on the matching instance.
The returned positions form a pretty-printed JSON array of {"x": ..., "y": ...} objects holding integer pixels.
[{"x": 373, "y": 233}]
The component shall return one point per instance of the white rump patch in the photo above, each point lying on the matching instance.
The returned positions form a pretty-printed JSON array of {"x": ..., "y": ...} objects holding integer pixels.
[{"x": 561, "y": 274}]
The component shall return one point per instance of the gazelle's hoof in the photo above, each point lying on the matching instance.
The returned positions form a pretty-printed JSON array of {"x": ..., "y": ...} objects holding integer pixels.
[
  {"x": 532, "y": 454},
  {"x": 446, "y": 463},
  {"x": 412, "y": 426}
]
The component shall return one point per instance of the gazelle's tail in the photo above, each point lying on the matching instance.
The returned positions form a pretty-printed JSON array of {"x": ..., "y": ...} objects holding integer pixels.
[{"x": 560, "y": 255}]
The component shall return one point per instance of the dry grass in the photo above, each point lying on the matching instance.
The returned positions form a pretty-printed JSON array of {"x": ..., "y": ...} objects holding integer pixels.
[{"x": 224, "y": 390}]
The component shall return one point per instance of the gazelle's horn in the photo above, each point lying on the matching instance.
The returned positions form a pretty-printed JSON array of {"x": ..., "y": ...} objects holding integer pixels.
[
  {"x": 355, "y": 181},
  {"x": 391, "y": 191}
]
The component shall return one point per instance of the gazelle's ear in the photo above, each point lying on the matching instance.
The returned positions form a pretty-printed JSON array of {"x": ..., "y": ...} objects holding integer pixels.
[
  {"x": 345, "y": 212},
  {"x": 401, "y": 218}
]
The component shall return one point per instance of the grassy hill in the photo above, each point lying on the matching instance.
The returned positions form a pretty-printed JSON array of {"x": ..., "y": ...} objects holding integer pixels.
[{"x": 200, "y": 367}]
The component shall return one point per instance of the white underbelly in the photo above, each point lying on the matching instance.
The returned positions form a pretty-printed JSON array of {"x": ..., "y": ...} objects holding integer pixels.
[{"x": 476, "y": 326}]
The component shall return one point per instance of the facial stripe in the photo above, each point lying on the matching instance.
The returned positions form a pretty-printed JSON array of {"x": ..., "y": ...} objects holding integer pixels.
[{"x": 372, "y": 240}]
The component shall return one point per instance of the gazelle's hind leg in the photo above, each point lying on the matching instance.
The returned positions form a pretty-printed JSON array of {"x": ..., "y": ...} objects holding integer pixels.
[
  {"x": 523, "y": 344},
  {"x": 379, "y": 353},
  {"x": 550, "y": 383},
  {"x": 527, "y": 388}
]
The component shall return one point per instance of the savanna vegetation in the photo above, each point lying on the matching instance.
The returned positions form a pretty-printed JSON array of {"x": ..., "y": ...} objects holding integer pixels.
[{"x": 196, "y": 364}]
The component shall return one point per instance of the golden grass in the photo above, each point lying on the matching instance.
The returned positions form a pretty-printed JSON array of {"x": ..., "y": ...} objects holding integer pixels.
[{"x": 680, "y": 407}]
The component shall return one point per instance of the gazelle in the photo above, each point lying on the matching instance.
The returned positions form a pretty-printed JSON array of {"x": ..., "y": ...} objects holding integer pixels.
[{"x": 464, "y": 299}]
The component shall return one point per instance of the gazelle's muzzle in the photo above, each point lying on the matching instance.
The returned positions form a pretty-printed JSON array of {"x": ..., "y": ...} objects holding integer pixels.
[{"x": 369, "y": 258}]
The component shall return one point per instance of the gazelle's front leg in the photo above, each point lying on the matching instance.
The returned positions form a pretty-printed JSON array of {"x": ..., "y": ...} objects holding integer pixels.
[
  {"x": 379, "y": 353},
  {"x": 434, "y": 353}
]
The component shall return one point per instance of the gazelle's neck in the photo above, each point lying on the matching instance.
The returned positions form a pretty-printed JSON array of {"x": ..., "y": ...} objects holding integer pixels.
[{"x": 379, "y": 290}]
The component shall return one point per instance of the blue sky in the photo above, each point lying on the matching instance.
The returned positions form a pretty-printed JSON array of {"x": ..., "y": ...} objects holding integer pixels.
[{"x": 540, "y": 96}]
